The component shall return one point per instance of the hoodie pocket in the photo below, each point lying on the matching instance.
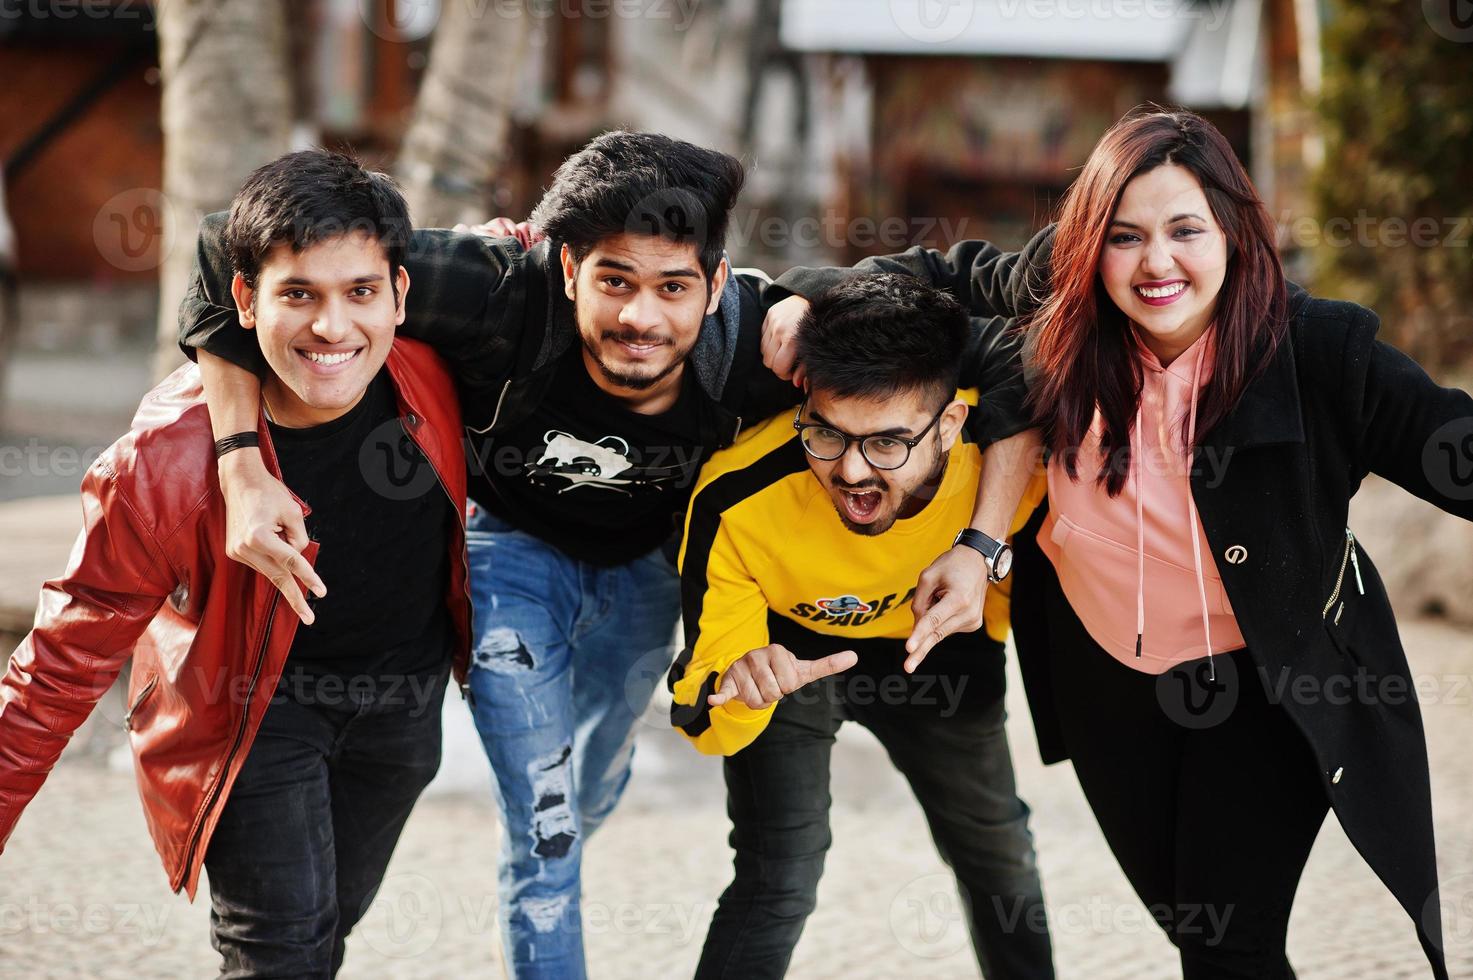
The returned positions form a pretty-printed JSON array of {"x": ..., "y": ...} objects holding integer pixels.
[{"x": 1093, "y": 556}]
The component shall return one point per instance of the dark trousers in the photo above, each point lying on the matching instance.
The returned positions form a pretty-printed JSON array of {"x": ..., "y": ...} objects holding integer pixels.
[
  {"x": 1207, "y": 793},
  {"x": 961, "y": 772},
  {"x": 314, "y": 815}
]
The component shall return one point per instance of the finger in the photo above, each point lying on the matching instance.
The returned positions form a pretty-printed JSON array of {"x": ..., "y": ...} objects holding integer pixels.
[
  {"x": 770, "y": 341},
  {"x": 750, "y": 696},
  {"x": 277, "y": 555},
  {"x": 725, "y": 692},
  {"x": 800, "y": 375},
  {"x": 832, "y": 664},
  {"x": 767, "y": 684},
  {"x": 926, "y": 595},
  {"x": 945, "y": 617},
  {"x": 786, "y": 670},
  {"x": 784, "y": 359},
  {"x": 283, "y": 566},
  {"x": 294, "y": 596},
  {"x": 295, "y": 535}
]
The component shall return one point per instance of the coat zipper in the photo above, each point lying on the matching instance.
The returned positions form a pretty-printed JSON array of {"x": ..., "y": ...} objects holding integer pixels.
[
  {"x": 128, "y": 718},
  {"x": 1350, "y": 558},
  {"x": 239, "y": 732}
]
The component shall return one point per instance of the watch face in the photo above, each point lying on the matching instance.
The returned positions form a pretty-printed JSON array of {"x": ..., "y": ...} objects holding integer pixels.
[{"x": 1003, "y": 563}]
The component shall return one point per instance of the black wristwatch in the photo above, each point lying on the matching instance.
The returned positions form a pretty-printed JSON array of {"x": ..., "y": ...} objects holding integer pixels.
[{"x": 998, "y": 554}]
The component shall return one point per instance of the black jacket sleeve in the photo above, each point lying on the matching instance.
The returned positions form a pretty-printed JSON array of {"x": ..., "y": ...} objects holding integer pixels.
[
  {"x": 993, "y": 364},
  {"x": 207, "y": 317},
  {"x": 1411, "y": 430},
  {"x": 984, "y": 279}
]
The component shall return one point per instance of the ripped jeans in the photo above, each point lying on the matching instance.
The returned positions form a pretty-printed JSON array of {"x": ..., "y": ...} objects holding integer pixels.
[{"x": 566, "y": 658}]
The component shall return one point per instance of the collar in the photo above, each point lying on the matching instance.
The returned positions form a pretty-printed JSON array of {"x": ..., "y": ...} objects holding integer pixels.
[{"x": 1268, "y": 413}]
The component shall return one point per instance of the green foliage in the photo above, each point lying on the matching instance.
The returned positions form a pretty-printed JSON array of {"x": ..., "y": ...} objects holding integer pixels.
[{"x": 1395, "y": 194}]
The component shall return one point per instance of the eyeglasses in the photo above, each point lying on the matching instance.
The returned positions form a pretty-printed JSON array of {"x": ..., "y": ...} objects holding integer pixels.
[{"x": 882, "y": 452}]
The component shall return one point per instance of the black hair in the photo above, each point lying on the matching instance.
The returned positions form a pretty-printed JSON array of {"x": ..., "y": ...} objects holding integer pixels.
[
  {"x": 312, "y": 196},
  {"x": 646, "y": 184},
  {"x": 882, "y": 335}
]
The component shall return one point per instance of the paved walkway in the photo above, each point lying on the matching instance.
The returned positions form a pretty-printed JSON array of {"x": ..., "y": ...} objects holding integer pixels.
[{"x": 82, "y": 893}]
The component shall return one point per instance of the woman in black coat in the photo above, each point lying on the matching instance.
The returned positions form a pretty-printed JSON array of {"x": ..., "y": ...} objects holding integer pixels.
[{"x": 1241, "y": 671}]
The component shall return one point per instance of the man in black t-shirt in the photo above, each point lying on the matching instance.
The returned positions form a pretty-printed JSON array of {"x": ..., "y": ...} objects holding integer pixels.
[{"x": 597, "y": 370}]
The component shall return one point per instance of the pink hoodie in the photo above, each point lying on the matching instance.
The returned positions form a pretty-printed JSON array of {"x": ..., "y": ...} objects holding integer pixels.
[{"x": 1108, "y": 550}]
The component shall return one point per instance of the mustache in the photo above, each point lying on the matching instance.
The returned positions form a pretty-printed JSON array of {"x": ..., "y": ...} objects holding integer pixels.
[
  {"x": 631, "y": 337},
  {"x": 861, "y": 486}
]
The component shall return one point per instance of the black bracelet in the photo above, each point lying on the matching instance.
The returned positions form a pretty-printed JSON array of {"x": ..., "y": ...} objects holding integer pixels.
[{"x": 240, "y": 440}]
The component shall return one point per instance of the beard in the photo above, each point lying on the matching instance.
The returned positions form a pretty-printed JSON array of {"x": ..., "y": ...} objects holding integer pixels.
[
  {"x": 912, "y": 503},
  {"x": 642, "y": 381}
]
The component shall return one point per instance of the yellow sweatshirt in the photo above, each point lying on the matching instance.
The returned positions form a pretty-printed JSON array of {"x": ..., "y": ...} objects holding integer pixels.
[{"x": 762, "y": 539}]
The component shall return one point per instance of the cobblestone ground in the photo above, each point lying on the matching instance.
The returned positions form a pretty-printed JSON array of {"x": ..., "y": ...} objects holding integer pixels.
[{"x": 82, "y": 894}]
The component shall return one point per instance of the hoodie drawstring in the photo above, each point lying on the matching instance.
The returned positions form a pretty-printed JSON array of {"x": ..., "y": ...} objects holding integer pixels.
[
  {"x": 1140, "y": 543},
  {"x": 1140, "y": 529},
  {"x": 1192, "y": 510}
]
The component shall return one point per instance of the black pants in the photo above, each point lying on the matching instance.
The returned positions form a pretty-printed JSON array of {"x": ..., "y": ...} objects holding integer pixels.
[
  {"x": 1207, "y": 793},
  {"x": 961, "y": 772},
  {"x": 314, "y": 815}
]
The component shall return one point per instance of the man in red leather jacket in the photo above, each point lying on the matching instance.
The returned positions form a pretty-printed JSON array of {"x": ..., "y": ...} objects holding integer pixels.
[{"x": 282, "y": 757}]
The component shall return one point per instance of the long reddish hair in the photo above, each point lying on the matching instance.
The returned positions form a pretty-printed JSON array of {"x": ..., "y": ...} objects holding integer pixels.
[{"x": 1079, "y": 347}]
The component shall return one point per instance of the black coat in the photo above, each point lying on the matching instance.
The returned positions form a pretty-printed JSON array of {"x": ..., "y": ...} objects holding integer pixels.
[{"x": 1334, "y": 405}]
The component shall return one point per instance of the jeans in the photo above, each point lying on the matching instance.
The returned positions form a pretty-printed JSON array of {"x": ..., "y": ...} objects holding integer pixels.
[
  {"x": 567, "y": 656},
  {"x": 313, "y": 817},
  {"x": 961, "y": 772},
  {"x": 1209, "y": 796}
]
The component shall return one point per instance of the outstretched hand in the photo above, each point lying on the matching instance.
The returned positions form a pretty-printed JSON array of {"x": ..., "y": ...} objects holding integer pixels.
[{"x": 764, "y": 675}]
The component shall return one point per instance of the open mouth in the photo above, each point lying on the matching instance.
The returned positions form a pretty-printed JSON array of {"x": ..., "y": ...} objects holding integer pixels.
[
  {"x": 329, "y": 362},
  {"x": 1161, "y": 293},
  {"x": 860, "y": 506}
]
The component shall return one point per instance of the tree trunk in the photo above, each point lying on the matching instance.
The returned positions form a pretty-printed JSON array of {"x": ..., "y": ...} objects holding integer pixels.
[
  {"x": 227, "y": 109},
  {"x": 457, "y": 141}
]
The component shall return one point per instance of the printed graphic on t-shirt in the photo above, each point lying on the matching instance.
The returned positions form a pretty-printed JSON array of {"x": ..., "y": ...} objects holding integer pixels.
[{"x": 568, "y": 463}]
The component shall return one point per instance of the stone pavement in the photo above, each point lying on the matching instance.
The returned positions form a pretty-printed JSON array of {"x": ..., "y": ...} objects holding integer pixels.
[{"x": 82, "y": 893}]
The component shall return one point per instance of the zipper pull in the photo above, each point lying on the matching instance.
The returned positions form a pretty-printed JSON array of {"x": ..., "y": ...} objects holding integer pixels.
[{"x": 1355, "y": 562}]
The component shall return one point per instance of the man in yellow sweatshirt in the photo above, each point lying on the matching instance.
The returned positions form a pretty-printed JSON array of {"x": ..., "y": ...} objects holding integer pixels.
[{"x": 802, "y": 547}]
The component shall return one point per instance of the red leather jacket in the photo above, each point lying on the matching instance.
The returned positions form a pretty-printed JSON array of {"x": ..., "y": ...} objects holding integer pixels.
[{"x": 149, "y": 578}]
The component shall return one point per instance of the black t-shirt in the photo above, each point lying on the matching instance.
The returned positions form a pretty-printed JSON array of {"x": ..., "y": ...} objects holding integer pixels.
[
  {"x": 599, "y": 482},
  {"x": 382, "y": 521}
]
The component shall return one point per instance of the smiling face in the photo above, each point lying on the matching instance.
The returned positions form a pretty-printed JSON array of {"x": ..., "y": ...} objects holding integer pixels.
[
  {"x": 325, "y": 319},
  {"x": 1165, "y": 258},
  {"x": 869, "y": 500},
  {"x": 639, "y": 302}
]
